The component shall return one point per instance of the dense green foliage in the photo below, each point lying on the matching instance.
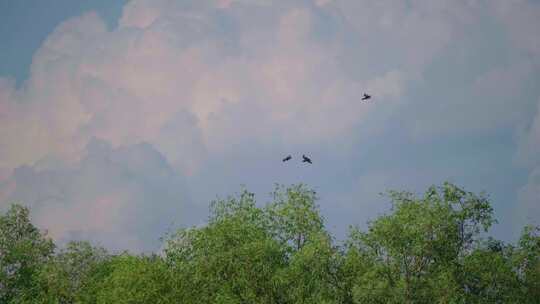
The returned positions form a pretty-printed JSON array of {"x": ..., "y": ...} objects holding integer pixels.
[
  {"x": 427, "y": 249},
  {"x": 23, "y": 250}
]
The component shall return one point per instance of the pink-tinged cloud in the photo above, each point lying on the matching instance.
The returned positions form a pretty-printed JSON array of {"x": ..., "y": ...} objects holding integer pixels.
[
  {"x": 124, "y": 198},
  {"x": 164, "y": 63},
  {"x": 178, "y": 85}
]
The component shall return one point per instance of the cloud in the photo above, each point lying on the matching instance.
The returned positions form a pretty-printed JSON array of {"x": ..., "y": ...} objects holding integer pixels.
[
  {"x": 528, "y": 155},
  {"x": 487, "y": 102},
  {"x": 124, "y": 198},
  {"x": 166, "y": 62},
  {"x": 406, "y": 35},
  {"x": 529, "y": 200},
  {"x": 521, "y": 18},
  {"x": 192, "y": 86}
]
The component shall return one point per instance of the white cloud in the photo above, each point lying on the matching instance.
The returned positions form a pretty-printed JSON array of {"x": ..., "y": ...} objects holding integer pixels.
[
  {"x": 124, "y": 198},
  {"x": 528, "y": 155},
  {"x": 492, "y": 100},
  {"x": 529, "y": 148},
  {"x": 522, "y": 19},
  {"x": 166, "y": 58},
  {"x": 529, "y": 200},
  {"x": 196, "y": 79},
  {"x": 407, "y": 35},
  {"x": 154, "y": 80}
]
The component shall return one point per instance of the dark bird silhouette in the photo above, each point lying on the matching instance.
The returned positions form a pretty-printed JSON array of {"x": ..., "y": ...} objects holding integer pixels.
[
  {"x": 306, "y": 159},
  {"x": 287, "y": 158},
  {"x": 366, "y": 97}
]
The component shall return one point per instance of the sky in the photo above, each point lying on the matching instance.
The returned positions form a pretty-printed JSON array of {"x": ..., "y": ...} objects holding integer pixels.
[{"x": 122, "y": 120}]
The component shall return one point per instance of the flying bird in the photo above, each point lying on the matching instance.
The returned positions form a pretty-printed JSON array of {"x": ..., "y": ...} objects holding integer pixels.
[
  {"x": 306, "y": 159},
  {"x": 366, "y": 97},
  {"x": 287, "y": 158}
]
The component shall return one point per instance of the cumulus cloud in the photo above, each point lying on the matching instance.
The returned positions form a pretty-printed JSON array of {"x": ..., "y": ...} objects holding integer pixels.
[
  {"x": 521, "y": 20},
  {"x": 529, "y": 155},
  {"x": 124, "y": 198},
  {"x": 529, "y": 198},
  {"x": 167, "y": 62},
  {"x": 529, "y": 146},
  {"x": 178, "y": 87}
]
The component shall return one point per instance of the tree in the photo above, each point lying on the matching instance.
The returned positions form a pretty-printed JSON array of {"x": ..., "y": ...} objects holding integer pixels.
[
  {"x": 136, "y": 279},
  {"x": 231, "y": 260},
  {"x": 68, "y": 276},
  {"x": 312, "y": 274},
  {"x": 23, "y": 248},
  {"x": 293, "y": 216},
  {"x": 427, "y": 249},
  {"x": 526, "y": 262},
  {"x": 414, "y": 252},
  {"x": 489, "y": 276}
]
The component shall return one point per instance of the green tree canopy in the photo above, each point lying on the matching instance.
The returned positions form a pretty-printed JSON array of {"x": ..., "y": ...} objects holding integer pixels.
[
  {"x": 69, "y": 276},
  {"x": 231, "y": 260},
  {"x": 413, "y": 254},
  {"x": 427, "y": 249},
  {"x": 23, "y": 249}
]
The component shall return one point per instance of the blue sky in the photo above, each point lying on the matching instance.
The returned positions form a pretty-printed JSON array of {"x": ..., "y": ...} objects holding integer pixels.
[
  {"x": 118, "y": 119},
  {"x": 25, "y": 24}
]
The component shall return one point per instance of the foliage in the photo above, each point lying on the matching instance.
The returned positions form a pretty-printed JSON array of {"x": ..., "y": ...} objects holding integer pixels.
[
  {"x": 136, "y": 279},
  {"x": 526, "y": 262},
  {"x": 293, "y": 216},
  {"x": 414, "y": 254},
  {"x": 427, "y": 249},
  {"x": 69, "y": 276},
  {"x": 232, "y": 260},
  {"x": 23, "y": 248}
]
